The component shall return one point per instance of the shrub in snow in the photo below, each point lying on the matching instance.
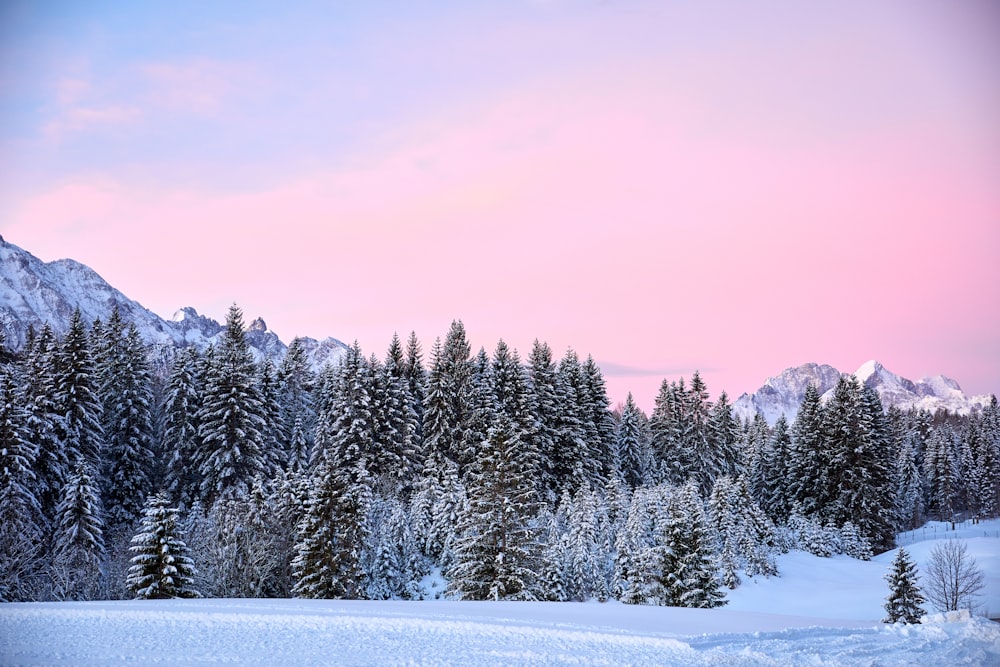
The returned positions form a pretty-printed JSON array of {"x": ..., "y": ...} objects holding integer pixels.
[
  {"x": 954, "y": 581},
  {"x": 161, "y": 567}
]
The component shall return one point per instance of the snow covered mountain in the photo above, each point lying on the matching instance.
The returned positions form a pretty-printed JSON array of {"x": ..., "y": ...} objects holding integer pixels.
[
  {"x": 783, "y": 394},
  {"x": 33, "y": 292}
]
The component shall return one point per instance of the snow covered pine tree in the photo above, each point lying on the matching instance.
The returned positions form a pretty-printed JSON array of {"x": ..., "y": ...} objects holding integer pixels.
[{"x": 161, "y": 567}]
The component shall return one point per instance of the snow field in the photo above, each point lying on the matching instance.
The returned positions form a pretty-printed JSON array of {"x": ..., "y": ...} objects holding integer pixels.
[
  {"x": 819, "y": 612},
  {"x": 321, "y": 632}
]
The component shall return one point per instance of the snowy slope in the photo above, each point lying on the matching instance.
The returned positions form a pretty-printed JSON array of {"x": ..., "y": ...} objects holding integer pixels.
[
  {"x": 818, "y": 612},
  {"x": 33, "y": 292},
  {"x": 782, "y": 395}
]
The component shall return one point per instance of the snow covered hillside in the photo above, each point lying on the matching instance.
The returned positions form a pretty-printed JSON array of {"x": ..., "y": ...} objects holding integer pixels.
[{"x": 820, "y": 611}]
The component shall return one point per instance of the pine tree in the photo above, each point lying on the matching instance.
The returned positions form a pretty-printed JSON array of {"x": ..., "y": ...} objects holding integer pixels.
[
  {"x": 127, "y": 398},
  {"x": 776, "y": 491},
  {"x": 43, "y": 423},
  {"x": 584, "y": 573},
  {"x": 231, "y": 418},
  {"x": 76, "y": 397},
  {"x": 575, "y": 462},
  {"x": 905, "y": 597},
  {"x": 347, "y": 426},
  {"x": 78, "y": 541},
  {"x": 909, "y": 485},
  {"x": 685, "y": 554},
  {"x": 416, "y": 379},
  {"x": 632, "y": 445},
  {"x": 941, "y": 473},
  {"x": 596, "y": 408},
  {"x": 395, "y": 448},
  {"x": 637, "y": 578},
  {"x": 808, "y": 461},
  {"x": 180, "y": 444},
  {"x": 498, "y": 552},
  {"x": 20, "y": 512},
  {"x": 723, "y": 439},
  {"x": 161, "y": 562},
  {"x": 298, "y": 413},
  {"x": 666, "y": 425},
  {"x": 273, "y": 431},
  {"x": 542, "y": 377},
  {"x": 331, "y": 535}
]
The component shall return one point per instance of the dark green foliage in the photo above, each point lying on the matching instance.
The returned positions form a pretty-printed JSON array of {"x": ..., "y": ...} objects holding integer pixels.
[
  {"x": 498, "y": 552},
  {"x": 231, "y": 418},
  {"x": 905, "y": 597},
  {"x": 161, "y": 565}
]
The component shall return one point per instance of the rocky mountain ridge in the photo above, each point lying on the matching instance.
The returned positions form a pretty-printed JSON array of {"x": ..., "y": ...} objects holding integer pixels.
[
  {"x": 783, "y": 394},
  {"x": 33, "y": 292}
]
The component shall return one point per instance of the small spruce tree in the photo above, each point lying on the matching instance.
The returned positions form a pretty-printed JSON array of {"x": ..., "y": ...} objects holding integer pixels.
[
  {"x": 161, "y": 564},
  {"x": 905, "y": 598}
]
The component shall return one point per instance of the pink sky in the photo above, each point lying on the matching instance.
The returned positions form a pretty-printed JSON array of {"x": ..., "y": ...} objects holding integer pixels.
[{"x": 665, "y": 189}]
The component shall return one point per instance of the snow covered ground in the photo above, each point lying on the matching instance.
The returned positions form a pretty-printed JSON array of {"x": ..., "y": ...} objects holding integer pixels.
[{"x": 821, "y": 611}]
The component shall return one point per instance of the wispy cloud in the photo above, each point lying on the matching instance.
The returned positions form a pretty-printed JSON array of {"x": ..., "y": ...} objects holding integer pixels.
[
  {"x": 615, "y": 369},
  {"x": 198, "y": 86},
  {"x": 83, "y": 118}
]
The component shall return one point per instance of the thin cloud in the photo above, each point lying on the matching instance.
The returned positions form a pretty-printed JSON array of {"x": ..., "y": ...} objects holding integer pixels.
[
  {"x": 83, "y": 118},
  {"x": 614, "y": 369}
]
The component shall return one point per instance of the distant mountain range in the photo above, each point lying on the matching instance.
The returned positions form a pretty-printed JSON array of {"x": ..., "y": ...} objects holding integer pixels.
[
  {"x": 33, "y": 292},
  {"x": 783, "y": 394}
]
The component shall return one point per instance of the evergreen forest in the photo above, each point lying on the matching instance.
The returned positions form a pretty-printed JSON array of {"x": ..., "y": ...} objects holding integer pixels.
[{"x": 480, "y": 476}]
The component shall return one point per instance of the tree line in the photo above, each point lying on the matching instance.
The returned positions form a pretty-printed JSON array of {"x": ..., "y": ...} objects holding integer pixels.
[{"x": 477, "y": 476}]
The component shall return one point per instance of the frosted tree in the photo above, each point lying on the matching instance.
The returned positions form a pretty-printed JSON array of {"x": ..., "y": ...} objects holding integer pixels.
[
  {"x": 161, "y": 565},
  {"x": 42, "y": 422},
  {"x": 78, "y": 540},
  {"x": 297, "y": 384},
  {"x": 498, "y": 551},
  {"x": 180, "y": 443},
  {"x": 942, "y": 473},
  {"x": 744, "y": 533},
  {"x": 905, "y": 596},
  {"x": 331, "y": 536},
  {"x": 231, "y": 427},
  {"x": 808, "y": 463},
  {"x": 391, "y": 560},
  {"x": 574, "y": 460},
  {"x": 436, "y": 506},
  {"x": 396, "y": 455},
  {"x": 542, "y": 383},
  {"x": 666, "y": 426},
  {"x": 776, "y": 497},
  {"x": 127, "y": 397},
  {"x": 583, "y": 548},
  {"x": 596, "y": 407},
  {"x": 21, "y": 518},
  {"x": 416, "y": 381},
  {"x": 909, "y": 498},
  {"x": 638, "y": 574},
  {"x": 685, "y": 554},
  {"x": 632, "y": 443},
  {"x": 723, "y": 439},
  {"x": 76, "y": 397},
  {"x": 273, "y": 431},
  {"x": 438, "y": 419},
  {"x": 982, "y": 442},
  {"x": 347, "y": 426}
]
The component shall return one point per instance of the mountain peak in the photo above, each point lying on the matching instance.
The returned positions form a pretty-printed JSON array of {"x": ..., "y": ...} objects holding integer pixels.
[
  {"x": 868, "y": 369},
  {"x": 782, "y": 395},
  {"x": 33, "y": 292}
]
